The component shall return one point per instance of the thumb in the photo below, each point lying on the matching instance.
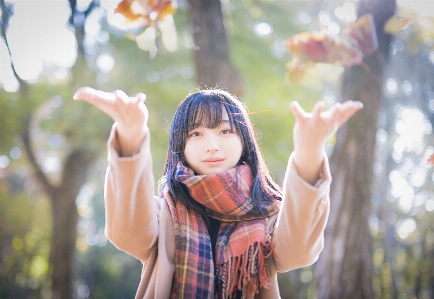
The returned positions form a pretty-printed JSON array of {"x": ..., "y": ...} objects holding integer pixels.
[
  {"x": 83, "y": 93},
  {"x": 297, "y": 110}
]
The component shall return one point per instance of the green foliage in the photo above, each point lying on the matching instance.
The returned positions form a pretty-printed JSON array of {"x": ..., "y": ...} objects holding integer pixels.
[
  {"x": 10, "y": 123},
  {"x": 24, "y": 238}
]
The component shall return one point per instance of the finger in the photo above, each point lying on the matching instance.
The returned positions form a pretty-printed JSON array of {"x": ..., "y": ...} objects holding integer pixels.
[
  {"x": 120, "y": 94},
  {"x": 333, "y": 111},
  {"x": 318, "y": 108},
  {"x": 100, "y": 99},
  {"x": 89, "y": 94},
  {"x": 139, "y": 98},
  {"x": 352, "y": 104},
  {"x": 347, "y": 110},
  {"x": 84, "y": 93},
  {"x": 297, "y": 111}
]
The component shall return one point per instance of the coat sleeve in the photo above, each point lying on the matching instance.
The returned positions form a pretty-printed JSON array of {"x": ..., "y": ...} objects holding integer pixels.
[
  {"x": 131, "y": 212},
  {"x": 299, "y": 231}
]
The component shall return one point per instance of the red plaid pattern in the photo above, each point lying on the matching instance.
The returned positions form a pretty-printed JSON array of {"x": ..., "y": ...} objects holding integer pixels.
[{"x": 242, "y": 242}]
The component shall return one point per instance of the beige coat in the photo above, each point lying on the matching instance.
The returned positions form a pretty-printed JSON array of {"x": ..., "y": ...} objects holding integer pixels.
[{"x": 140, "y": 223}]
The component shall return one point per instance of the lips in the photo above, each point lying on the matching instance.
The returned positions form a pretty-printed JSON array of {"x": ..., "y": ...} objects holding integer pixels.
[{"x": 213, "y": 161}]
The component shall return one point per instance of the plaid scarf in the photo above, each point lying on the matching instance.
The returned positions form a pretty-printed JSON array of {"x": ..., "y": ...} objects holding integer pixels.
[{"x": 242, "y": 246}]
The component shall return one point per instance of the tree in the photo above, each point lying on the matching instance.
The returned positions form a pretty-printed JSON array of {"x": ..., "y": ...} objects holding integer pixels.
[
  {"x": 345, "y": 266},
  {"x": 212, "y": 60},
  {"x": 62, "y": 195}
]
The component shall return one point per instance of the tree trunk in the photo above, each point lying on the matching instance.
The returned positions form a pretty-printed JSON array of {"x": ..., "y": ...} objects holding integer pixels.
[
  {"x": 431, "y": 273},
  {"x": 345, "y": 266},
  {"x": 64, "y": 213},
  {"x": 213, "y": 64},
  {"x": 64, "y": 209},
  {"x": 65, "y": 218}
]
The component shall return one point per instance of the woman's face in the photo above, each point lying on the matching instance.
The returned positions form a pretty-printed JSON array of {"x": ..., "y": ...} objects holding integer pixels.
[{"x": 211, "y": 151}]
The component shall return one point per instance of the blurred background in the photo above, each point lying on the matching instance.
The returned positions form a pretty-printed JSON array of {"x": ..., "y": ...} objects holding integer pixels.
[{"x": 380, "y": 237}]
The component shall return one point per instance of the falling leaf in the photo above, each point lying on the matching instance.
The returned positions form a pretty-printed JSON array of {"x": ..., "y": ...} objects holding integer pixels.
[
  {"x": 146, "y": 41},
  {"x": 295, "y": 72},
  {"x": 363, "y": 33},
  {"x": 322, "y": 47},
  {"x": 169, "y": 35},
  {"x": 431, "y": 159},
  {"x": 315, "y": 48},
  {"x": 309, "y": 48},
  {"x": 157, "y": 14},
  {"x": 124, "y": 8},
  {"x": 394, "y": 24}
]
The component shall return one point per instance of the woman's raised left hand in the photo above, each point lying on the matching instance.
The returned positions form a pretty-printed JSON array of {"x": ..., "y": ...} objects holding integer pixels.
[{"x": 311, "y": 130}]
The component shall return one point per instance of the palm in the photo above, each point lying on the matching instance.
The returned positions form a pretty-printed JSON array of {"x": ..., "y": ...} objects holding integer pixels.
[
  {"x": 310, "y": 132},
  {"x": 123, "y": 109},
  {"x": 312, "y": 129},
  {"x": 130, "y": 114}
]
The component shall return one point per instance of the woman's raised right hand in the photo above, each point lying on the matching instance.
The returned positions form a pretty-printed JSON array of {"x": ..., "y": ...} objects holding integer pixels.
[{"x": 130, "y": 113}]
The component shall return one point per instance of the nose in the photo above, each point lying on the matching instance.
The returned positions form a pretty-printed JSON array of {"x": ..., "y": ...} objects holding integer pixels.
[{"x": 211, "y": 145}]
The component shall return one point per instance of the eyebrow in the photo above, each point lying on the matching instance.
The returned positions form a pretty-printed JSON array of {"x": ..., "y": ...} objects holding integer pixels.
[{"x": 223, "y": 121}]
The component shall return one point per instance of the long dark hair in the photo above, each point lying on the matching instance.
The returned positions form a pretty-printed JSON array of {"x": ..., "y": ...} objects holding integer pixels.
[{"x": 205, "y": 108}]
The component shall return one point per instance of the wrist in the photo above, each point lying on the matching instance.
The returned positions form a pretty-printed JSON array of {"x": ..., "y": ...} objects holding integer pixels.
[
  {"x": 309, "y": 153},
  {"x": 308, "y": 164},
  {"x": 130, "y": 140}
]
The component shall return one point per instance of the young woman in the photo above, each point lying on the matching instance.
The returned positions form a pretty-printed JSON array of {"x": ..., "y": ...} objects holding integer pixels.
[{"x": 220, "y": 227}]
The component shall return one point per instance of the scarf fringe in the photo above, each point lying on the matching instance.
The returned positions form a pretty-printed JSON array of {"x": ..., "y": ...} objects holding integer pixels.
[{"x": 247, "y": 272}]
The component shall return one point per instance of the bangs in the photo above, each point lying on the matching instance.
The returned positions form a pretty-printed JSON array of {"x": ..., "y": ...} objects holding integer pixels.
[{"x": 209, "y": 113}]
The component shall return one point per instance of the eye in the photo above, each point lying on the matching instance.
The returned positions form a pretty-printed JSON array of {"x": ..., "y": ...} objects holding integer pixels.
[
  {"x": 226, "y": 131},
  {"x": 194, "y": 134}
]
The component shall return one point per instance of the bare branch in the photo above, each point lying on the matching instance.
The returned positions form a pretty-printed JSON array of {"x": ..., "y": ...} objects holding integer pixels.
[
  {"x": 73, "y": 4},
  {"x": 4, "y": 24},
  {"x": 94, "y": 4},
  {"x": 48, "y": 187},
  {"x": 79, "y": 28}
]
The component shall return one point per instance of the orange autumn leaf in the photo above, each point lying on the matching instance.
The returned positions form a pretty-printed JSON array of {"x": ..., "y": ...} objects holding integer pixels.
[
  {"x": 309, "y": 48},
  {"x": 394, "y": 24},
  {"x": 362, "y": 31},
  {"x": 150, "y": 10},
  {"x": 157, "y": 15},
  {"x": 295, "y": 72},
  {"x": 322, "y": 47},
  {"x": 163, "y": 8},
  {"x": 124, "y": 8}
]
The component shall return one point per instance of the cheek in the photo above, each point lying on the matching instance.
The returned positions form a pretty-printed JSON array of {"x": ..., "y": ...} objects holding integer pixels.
[
  {"x": 238, "y": 146},
  {"x": 186, "y": 151},
  {"x": 190, "y": 152}
]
